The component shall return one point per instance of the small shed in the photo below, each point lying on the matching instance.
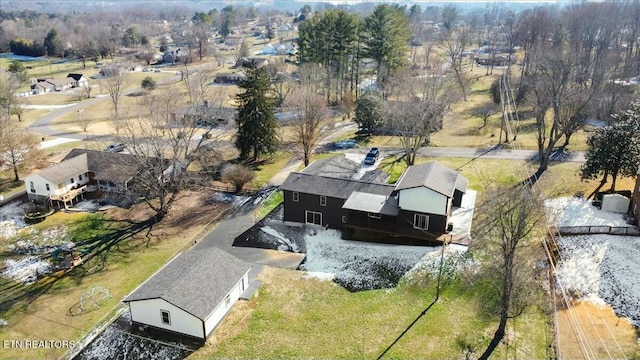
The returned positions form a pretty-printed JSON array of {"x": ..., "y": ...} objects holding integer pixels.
[{"x": 615, "y": 203}]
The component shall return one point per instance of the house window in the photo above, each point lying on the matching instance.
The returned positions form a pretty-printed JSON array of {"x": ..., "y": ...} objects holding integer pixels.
[
  {"x": 48, "y": 189},
  {"x": 227, "y": 301},
  {"x": 312, "y": 217},
  {"x": 420, "y": 221},
  {"x": 323, "y": 200},
  {"x": 166, "y": 317},
  {"x": 71, "y": 180},
  {"x": 375, "y": 216},
  {"x": 296, "y": 196},
  {"x": 80, "y": 177},
  {"x": 344, "y": 218}
]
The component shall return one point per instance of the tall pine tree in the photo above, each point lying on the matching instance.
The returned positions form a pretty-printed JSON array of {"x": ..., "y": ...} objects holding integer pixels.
[
  {"x": 255, "y": 118},
  {"x": 387, "y": 37}
]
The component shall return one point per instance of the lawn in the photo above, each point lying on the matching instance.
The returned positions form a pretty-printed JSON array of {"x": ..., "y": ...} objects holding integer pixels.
[
  {"x": 42, "y": 310},
  {"x": 561, "y": 179},
  {"x": 276, "y": 198},
  {"x": 293, "y": 316},
  {"x": 268, "y": 167}
]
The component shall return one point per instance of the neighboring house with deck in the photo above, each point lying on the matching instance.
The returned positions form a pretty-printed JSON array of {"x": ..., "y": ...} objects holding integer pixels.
[
  {"x": 417, "y": 206},
  {"x": 191, "y": 294},
  {"x": 82, "y": 171}
]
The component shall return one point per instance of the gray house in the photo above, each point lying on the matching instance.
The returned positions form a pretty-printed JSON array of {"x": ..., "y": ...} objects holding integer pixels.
[
  {"x": 191, "y": 294},
  {"x": 417, "y": 206}
]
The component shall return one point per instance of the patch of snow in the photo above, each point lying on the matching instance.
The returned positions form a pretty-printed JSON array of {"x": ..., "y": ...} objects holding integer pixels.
[
  {"x": 228, "y": 198},
  {"x": 113, "y": 342},
  {"x": 26, "y": 270},
  {"x": 285, "y": 244},
  {"x": 573, "y": 211},
  {"x": 359, "y": 265},
  {"x": 3, "y": 322},
  {"x": 455, "y": 259},
  {"x": 11, "y": 219},
  {"x": 603, "y": 268}
]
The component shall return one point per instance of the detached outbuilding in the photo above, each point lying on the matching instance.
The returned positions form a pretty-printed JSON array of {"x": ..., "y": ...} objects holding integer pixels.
[{"x": 191, "y": 294}]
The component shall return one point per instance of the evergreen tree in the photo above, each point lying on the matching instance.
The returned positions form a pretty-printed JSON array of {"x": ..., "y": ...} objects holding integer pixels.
[
  {"x": 331, "y": 39},
  {"x": 388, "y": 33},
  {"x": 370, "y": 111},
  {"x": 614, "y": 150},
  {"x": 53, "y": 44},
  {"x": 255, "y": 118}
]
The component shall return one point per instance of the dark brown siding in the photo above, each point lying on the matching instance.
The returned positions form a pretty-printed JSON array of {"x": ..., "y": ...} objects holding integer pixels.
[
  {"x": 437, "y": 223},
  {"x": 331, "y": 213},
  {"x": 457, "y": 198},
  {"x": 362, "y": 220},
  {"x": 635, "y": 201}
]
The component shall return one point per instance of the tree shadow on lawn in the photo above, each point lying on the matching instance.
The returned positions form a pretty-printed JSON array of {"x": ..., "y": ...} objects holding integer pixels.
[{"x": 99, "y": 249}]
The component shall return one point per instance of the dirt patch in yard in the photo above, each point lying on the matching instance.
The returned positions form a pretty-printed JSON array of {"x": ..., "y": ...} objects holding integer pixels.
[{"x": 590, "y": 331}]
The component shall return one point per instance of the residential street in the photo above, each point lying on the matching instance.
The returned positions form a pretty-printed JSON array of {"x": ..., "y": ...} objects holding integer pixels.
[{"x": 43, "y": 126}]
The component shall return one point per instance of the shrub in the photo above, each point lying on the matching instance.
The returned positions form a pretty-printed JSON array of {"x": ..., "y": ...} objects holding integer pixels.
[
  {"x": 148, "y": 83},
  {"x": 237, "y": 175}
]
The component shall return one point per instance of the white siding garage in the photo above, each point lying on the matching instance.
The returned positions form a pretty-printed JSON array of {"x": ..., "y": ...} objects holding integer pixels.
[
  {"x": 163, "y": 315},
  {"x": 191, "y": 294},
  {"x": 424, "y": 200}
]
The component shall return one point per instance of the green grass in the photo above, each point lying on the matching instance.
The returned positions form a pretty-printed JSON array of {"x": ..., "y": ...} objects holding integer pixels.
[
  {"x": 42, "y": 310},
  {"x": 561, "y": 179},
  {"x": 296, "y": 317},
  {"x": 268, "y": 167},
  {"x": 276, "y": 198}
]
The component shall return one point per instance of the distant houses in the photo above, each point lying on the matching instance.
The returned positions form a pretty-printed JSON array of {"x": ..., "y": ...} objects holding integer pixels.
[
  {"x": 73, "y": 80},
  {"x": 228, "y": 78}
]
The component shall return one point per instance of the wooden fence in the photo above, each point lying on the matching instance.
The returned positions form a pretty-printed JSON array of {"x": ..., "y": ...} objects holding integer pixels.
[{"x": 598, "y": 229}]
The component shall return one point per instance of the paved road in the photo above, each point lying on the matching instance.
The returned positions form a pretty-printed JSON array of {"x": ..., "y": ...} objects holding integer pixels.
[{"x": 470, "y": 153}]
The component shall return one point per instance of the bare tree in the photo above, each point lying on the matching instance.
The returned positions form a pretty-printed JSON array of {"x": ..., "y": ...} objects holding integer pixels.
[
  {"x": 115, "y": 85},
  {"x": 83, "y": 120},
  {"x": 454, "y": 44},
  {"x": 165, "y": 144},
  {"x": 484, "y": 113},
  {"x": 198, "y": 85},
  {"x": 555, "y": 87},
  {"x": 420, "y": 111},
  {"x": 18, "y": 147},
  {"x": 511, "y": 216},
  {"x": 308, "y": 109}
]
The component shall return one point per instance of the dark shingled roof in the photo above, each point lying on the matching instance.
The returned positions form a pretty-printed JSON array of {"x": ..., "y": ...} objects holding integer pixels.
[
  {"x": 434, "y": 176},
  {"x": 376, "y": 204},
  {"x": 108, "y": 165},
  {"x": 335, "y": 167},
  {"x": 375, "y": 176},
  {"x": 332, "y": 187},
  {"x": 195, "y": 281}
]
